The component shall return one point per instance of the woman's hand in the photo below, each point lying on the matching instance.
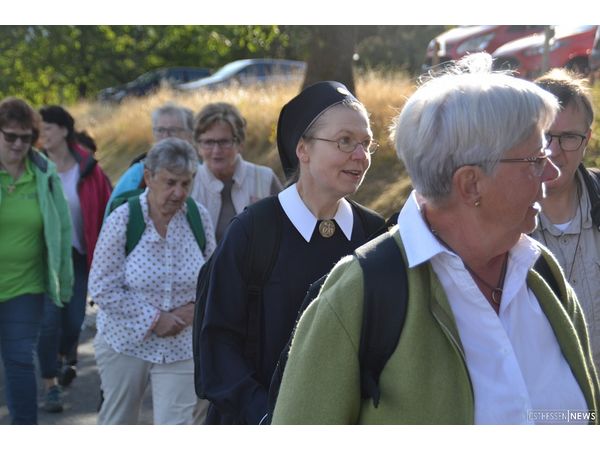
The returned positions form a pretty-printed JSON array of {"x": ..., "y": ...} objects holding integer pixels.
[
  {"x": 185, "y": 313},
  {"x": 169, "y": 324}
]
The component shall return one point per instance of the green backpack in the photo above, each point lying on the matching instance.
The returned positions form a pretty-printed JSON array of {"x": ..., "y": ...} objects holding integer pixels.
[{"x": 136, "y": 224}]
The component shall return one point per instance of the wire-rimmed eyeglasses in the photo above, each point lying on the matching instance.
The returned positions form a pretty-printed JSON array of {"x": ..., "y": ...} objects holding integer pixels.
[
  {"x": 348, "y": 145},
  {"x": 209, "y": 144},
  {"x": 537, "y": 163},
  {"x": 568, "y": 142},
  {"x": 168, "y": 131}
]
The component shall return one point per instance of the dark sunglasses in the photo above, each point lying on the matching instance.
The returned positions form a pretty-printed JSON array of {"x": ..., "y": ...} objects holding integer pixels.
[{"x": 12, "y": 137}]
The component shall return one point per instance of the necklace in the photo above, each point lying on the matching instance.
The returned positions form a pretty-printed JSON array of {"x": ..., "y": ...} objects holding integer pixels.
[
  {"x": 580, "y": 211},
  {"x": 496, "y": 290}
]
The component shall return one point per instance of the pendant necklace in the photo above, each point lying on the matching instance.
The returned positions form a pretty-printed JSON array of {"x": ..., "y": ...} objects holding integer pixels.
[{"x": 496, "y": 290}]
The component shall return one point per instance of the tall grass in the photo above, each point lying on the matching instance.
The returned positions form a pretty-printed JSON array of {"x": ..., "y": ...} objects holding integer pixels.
[{"x": 123, "y": 131}]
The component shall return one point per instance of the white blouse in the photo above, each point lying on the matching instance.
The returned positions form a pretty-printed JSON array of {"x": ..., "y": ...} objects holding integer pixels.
[
  {"x": 160, "y": 274},
  {"x": 515, "y": 363}
]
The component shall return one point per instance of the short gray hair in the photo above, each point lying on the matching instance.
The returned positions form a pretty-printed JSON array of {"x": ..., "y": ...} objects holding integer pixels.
[
  {"x": 172, "y": 154},
  {"x": 466, "y": 115},
  {"x": 171, "y": 109}
]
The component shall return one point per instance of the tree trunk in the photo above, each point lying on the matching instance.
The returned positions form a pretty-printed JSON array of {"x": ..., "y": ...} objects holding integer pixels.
[{"x": 330, "y": 57}]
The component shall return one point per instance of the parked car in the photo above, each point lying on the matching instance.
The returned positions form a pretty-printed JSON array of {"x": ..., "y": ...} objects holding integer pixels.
[
  {"x": 250, "y": 71},
  {"x": 457, "y": 42},
  {"x": 151, "y": 81},
  {"x": 570, "y": 47},
  {"x": 594, "y": 60}
]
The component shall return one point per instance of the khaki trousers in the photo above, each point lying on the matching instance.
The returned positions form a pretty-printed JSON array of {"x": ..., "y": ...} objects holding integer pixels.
[{"x": 124, "y": 380}]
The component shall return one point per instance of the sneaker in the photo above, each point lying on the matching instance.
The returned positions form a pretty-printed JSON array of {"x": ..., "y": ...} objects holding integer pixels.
[
  {"x": 53, "y": 402},
  {"x": 67, "y": 375}
]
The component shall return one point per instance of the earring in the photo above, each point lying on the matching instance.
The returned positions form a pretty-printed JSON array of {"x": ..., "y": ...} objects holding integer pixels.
[{"x": 477, "y": 203}]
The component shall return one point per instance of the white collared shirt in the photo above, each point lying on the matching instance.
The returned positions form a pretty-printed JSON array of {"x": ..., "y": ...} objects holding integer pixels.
[
  {"x": 514, "y": 359},
  {"x": 305, "y": 221},
  {"x": 251, "y": 182}
]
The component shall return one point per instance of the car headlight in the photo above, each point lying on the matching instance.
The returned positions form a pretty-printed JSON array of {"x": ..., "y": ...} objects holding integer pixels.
[{"x": 476, "y": 44}]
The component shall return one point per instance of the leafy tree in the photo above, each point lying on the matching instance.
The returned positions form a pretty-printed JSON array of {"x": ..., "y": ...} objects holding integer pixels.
[{"x": 48, "y": 64}]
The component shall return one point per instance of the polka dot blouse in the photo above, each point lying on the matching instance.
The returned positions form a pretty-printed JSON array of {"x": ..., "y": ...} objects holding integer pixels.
[{"x": 160, "y": 274}]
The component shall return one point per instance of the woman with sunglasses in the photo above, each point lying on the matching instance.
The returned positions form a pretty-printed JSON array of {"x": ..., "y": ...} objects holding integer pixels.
[
  {"x": 485, "y": 339},
  {"x": 325, "y": 143},
  {"x": 226, "y": 183},
  {"x": 35, "y": 238}
]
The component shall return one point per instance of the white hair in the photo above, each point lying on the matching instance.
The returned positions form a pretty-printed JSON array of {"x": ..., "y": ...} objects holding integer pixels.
[
  {"x": 172, "y": 154},
  {"x": 466, "y": 115}
]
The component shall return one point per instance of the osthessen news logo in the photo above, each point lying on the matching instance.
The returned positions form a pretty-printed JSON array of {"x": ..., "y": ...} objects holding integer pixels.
[{"x": 561, "y": 415}]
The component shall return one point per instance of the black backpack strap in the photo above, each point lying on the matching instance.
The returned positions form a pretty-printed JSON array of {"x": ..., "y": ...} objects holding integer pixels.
[
  {"x": 372, "y": 223},
  {"x": 138, "y": 158},
  {"x": 591, "y": 178},
  {"x": 384, "y": 311},
  {"x": 264, "y": 245}
]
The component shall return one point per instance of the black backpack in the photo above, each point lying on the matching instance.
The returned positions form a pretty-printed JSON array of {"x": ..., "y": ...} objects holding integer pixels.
[
  {"x": 265, "y": 238},
  {"x": 591, "y": 178}
]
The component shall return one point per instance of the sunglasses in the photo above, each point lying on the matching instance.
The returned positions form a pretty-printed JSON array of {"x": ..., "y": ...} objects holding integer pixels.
[{"x": 12, "y": 137}]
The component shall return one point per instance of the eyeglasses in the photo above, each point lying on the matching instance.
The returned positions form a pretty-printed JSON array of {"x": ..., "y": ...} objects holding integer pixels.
[
  {"x": 568, "y": 142},
  {"x": 169, "y": 131},
  {"x": 348, "y": 145},
  {"x": 208, "y": 144},
  {"x": 537, "y": 163},
  {"x": 12, "y": 137}
]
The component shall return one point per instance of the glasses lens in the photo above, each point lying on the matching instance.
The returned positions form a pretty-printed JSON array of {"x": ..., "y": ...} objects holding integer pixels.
[
  {"x": 348, "y": 146},
  {"x": 170, "y": 131},
  {"x": 12, "y": 137},
  {"x": 210, "y": 143},
  {"x": 570, "y": 142}
]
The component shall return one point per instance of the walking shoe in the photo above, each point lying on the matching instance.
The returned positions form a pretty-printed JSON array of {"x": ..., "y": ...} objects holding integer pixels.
[
  {"x": 67, "y": 375},
  {"x": 53, "y": 402}
]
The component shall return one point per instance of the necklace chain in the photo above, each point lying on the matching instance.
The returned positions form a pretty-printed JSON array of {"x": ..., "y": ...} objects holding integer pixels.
[{"x": 496, "y": 290}]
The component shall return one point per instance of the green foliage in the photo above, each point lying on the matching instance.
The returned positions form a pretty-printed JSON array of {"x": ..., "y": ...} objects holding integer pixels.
[{"x": 61, "y": 64}]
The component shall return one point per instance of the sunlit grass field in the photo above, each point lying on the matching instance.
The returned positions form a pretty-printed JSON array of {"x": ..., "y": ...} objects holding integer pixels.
[{"x": 122, "y": 131}]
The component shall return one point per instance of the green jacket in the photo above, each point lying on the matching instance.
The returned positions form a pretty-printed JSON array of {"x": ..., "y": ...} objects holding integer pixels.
[
  {"x": 57, "y": 228},
  {"x": 426, "y": 380}
]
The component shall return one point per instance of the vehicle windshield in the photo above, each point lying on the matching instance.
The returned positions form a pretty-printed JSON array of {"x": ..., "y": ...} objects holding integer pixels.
[
  {"x": 148, "y": 77},
  {"x": 230, "y": 69}
]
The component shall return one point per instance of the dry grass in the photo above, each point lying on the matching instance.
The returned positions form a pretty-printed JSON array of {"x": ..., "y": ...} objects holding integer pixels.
[{"x": 123, "y": 131}]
